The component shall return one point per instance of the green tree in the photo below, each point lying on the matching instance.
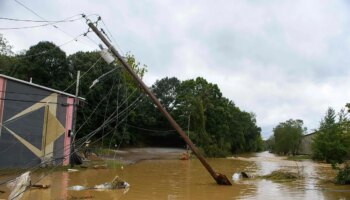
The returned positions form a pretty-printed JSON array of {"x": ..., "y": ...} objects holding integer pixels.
[
  {"x": 117, "y": 90},
  {"x": 218, "y": 127},
  {"x": 46, "y": 64},
  {"x": 165, "y": 91},
  {"x": 332, "y": 141},
  {"x": 287, "y": 136},
  {"x": 7, "y": 58},
  {"x": 5, "y": 47}
]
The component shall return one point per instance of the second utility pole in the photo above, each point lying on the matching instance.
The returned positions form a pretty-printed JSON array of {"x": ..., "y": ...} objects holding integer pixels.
[{"x": 219, "y": 178}]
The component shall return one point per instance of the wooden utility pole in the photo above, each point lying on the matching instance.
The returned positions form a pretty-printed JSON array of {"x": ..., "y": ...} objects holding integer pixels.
[
  {"x": 75, "y": 110},
  {"x": 219, "y": 178}
]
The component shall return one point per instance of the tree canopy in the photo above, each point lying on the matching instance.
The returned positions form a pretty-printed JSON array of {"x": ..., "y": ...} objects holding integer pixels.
[
  {"x": 216, "y": 125},
  {"x": 332, "y": 141},
  {"x": 287, "y": 136}
]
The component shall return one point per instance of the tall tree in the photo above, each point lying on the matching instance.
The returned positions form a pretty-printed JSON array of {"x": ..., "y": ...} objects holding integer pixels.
[
  {"x": 332, "y": 141},
  {"x": 7, "y": 59},
  {"x": 5, "y": 47},
  {"x": 46, "y": 64},
  {"x": 288, "y": 136}
]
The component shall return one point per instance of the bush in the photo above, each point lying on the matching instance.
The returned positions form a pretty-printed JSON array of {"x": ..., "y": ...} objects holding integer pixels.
[{"x": 343, "y": 176}]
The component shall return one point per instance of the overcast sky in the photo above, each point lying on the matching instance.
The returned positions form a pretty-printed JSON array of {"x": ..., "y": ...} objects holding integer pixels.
[{"x": 278, "y": 59}]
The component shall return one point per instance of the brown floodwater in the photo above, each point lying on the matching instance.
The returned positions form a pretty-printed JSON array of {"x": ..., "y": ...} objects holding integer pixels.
[{"x": 176, "y": 179}]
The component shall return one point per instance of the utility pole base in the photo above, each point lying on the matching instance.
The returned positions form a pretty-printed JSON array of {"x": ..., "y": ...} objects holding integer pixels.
[{"x": 222, "y": 179}]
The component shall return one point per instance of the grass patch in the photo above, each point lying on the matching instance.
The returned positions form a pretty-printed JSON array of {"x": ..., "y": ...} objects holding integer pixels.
[
  {"x": 299, "y": 157},
  {"x": 113, "y": 164},
  {"x": 100, "y": 151},
  {"x": 280, "y": 175}
]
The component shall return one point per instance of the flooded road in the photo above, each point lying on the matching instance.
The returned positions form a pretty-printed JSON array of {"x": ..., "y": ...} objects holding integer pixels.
[{"x": 176, "y": 179}]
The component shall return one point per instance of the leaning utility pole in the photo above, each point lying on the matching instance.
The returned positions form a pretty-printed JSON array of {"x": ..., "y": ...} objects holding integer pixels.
[{"x": 219, "y": 178}]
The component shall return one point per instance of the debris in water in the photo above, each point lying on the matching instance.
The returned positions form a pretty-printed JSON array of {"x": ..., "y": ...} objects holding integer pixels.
[
  {"x": 237, "y": 176},
  {"x": 282, "y": 175},
  {"x": 100, "y": 166},
  {"x": 73, "y": 170},
  {"x": 117, "y": 183},
  {"x": 185, "y": 156},
  {"x": 19, "y": 186},
  {"x": 78, "y": 188},
  {"x": 245, "y": 175},
  {"x": 39, "y": 186},
  {"x": 76, "y": 198}
]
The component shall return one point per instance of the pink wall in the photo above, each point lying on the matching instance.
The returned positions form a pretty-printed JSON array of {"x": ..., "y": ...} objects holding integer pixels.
[
  {"x": 2, "y": 96},
  {"x": 69, "y": 118}
]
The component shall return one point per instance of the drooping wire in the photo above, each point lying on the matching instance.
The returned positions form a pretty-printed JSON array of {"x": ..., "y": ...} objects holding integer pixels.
[
  {"x": 53, "y": 25},
  {"x": 92, "y": 66},
  {"x": 41, "y": 25},
  {"x": 41, "y": 21},
  {"x": 107, "y": 104},
  {"x": 150, "y": 130},
  {"x": 56, "y": 47},
  {"x": 111, "y": 35}
]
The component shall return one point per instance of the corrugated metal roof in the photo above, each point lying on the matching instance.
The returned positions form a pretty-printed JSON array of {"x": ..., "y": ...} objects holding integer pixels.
[{"x": 39, "y": 86}]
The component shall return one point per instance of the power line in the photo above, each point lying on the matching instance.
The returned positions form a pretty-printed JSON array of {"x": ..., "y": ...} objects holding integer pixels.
[
  {"x": 41, "y": 25},
  {"x": 114, "y": 40},
  {"x": 41, "y": 21},
  {"x": 47, "y": 51},
  {"x": 151, "y": 130},
  {"x": 36, "y": 14},
  {"x": 29, "y": 94},
  {"x": 92, "y": 66},
  {"x": 29, "y": 101}
]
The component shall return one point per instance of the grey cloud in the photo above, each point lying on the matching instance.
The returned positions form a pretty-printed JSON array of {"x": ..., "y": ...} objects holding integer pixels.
[{"x": 279, "y": 59}]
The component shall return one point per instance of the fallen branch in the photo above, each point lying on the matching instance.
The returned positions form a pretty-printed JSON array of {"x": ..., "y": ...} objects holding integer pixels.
[{"x": 39, "y": 186}]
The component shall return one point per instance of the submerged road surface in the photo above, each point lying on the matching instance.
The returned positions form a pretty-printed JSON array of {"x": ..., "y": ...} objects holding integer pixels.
[{"x": 176, "y": 179}]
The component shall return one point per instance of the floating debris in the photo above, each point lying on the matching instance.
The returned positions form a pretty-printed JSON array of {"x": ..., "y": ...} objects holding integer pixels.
[
  {"x": 185, "y": 156},
  {"x": 78, "y": 188},
  {"x": 116, "y": 183},
  {"x": 73, "y": 170},
  {"x": 76, "y": 198},
  {"x": 40, "y": 186},
  {"x": 19, "y": 186},
  {"x": 104, "y": 166},
  {"x": 282, "y": 175},
  {"x": 239, "y": 175}
]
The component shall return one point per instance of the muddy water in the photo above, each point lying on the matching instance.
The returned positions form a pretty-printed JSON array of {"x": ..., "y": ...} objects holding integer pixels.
[{"x": 175, "y": 179}]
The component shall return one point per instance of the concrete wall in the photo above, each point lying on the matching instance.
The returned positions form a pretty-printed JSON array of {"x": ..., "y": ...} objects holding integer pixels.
[{"x": 305, "y": 146}]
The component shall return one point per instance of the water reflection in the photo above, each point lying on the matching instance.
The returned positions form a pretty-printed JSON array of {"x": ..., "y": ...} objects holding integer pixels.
[{"x": 175, "y": 179}]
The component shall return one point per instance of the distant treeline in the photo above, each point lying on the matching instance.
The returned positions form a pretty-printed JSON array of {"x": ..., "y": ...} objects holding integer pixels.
[{"x": 216, "y": 125}]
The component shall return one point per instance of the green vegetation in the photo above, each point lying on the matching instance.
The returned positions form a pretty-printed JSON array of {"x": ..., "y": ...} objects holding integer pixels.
[
  {"x": 216, "y": 125},
  {"x": 332, "y": 142},
  {"x": 343, "y": 176},
  {"x": 113, "y": 164},
  {"x": 281, "y": 175},
  {"x": 286, "y": 137}
]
